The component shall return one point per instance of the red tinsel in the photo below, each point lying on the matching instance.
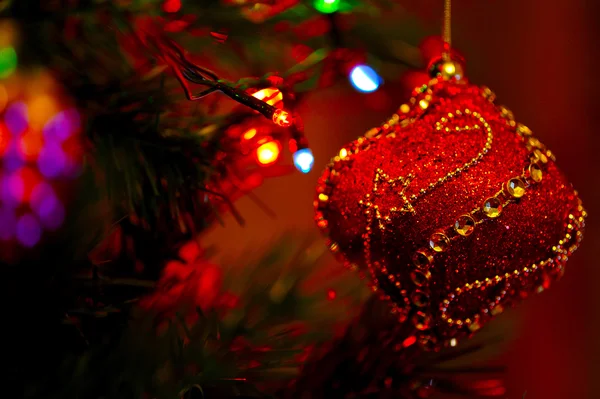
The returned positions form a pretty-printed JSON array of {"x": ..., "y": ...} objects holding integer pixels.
[{"x": 187, "y": 283}]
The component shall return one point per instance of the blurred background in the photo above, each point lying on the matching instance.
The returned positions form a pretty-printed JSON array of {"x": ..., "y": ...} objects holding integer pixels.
[
  {"x": 540, "y": 58},
  {"x": 161, "y": 168}
]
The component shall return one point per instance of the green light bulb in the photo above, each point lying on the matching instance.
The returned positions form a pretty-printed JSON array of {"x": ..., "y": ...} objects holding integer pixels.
[{"x": 327, "y": 6}]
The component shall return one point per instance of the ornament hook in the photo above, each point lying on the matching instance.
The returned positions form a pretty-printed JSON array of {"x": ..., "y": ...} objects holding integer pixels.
[{"x": 447, "y": 30}]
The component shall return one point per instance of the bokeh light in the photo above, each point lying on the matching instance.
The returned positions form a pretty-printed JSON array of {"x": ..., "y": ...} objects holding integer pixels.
[
  {"x": 3, "y": 97},
  {"x": 8, "y": 223},
  {"x": 331, "y": 294},
  {"x": 39, "y": 143},
  {"x": 52, "y": 160},
  {"x": 249, "y": 134},
  {"x": 47, "y": 206},
  {"x": 12, "y": 189},
  {"x": 73, "y": 150},
  {"x": 29, "y": 178},
  {"x": 62, "y": 125},
  {"x": 16, "y": 187},
  {"x": 40, "y": 109},
  {"x": 268, "y": 153},
  {"x": 12, "y": 159},
  {"x": 15, "y": 118},
  {"x": 8, "y": 61},
  {"x": 5, "y": 139},
  {"x": 364, "y": 78},
  {"x": 29, "y": 230},
  {"x": 30, "y": 144},
  {"x": 172, "y": 6}
]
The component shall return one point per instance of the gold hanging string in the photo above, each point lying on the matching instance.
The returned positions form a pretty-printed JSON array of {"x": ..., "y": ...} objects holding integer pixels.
[{"x": 446, "y": 30}]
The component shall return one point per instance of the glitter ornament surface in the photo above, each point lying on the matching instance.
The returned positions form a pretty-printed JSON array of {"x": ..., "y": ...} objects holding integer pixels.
[{"x": 453, "y": 209}]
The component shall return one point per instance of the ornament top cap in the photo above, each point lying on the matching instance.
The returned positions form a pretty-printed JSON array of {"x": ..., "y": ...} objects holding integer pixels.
[{"x": 447, "y": 70}]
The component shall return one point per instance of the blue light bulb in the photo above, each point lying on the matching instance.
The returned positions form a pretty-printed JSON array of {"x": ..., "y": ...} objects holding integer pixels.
[
  {"x": 304, "y": 160},
  {"x": 364, "y": 78}
]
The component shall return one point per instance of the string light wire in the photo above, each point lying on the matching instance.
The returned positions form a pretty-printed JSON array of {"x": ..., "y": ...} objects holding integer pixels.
[{"x": 186, "y": 71}]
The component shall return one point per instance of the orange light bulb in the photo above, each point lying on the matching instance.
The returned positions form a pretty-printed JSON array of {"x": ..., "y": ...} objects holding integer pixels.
[
  {"x": 282, "y": 118},
  {"x": 270, "y": 95},
  {"x": 268, "y": 153}
]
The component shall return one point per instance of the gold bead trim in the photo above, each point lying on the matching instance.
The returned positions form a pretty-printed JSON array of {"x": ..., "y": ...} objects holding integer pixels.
[
  {"x": 439, "y": 242},
  {"x": 439, "y": 126},
  {"x": 491, "y": 208},
  {"x": 487, "y": 93},
  {"x": 565, "y": 247},
  {"x": 419, "y": 103},
  {"x": 538, "y": 157}
]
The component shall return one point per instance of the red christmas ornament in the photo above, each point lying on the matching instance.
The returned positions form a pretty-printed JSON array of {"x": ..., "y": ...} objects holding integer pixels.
[{"x": 454, "y": 209}]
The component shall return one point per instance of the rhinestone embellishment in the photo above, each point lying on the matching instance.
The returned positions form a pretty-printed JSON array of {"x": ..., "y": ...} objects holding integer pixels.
[
  {"x": 492, "y": 207},
  {"x": 464, "y": 225},
  {"x": 439, "y": 242},
  {"x": 535, "y": 172},
  {"x": 515, "y": 187}
]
